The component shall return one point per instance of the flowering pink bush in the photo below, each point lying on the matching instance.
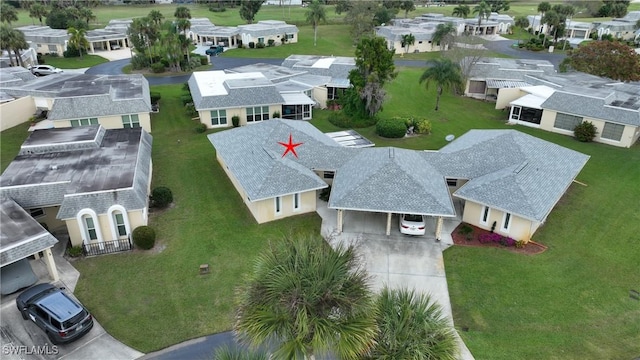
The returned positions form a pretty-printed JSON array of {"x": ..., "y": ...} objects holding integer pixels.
[{"x": 496, "y": 238}]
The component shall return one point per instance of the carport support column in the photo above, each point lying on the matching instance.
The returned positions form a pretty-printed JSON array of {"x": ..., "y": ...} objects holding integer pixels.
[
  {"x": 388, "y": 224},
  {"x": 438, "y": 227},
  {"x": 340, "y": 214},
  {"x": 51, "y": 265}
]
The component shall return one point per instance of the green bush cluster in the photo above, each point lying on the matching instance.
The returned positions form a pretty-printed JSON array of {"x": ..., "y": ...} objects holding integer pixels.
[
  {"x": 204, "y": 60},
  {"x": 391, "y": 128},
  {"x": 271, "y": 42},
  {"x": 162, "y": 196},
  {"x": 155, "y": 97},
  {"x": 252, "y": 45},
  {"x": 260, "y": 45},
  {"x": 217, "y": 9},
  {"x": 74, "y": 251},
  {"x": 200, "y": 128},
  {"x": 585, "y": 131},
  {"x": 420, "y": 126},
  {"x": 144, "y": 237},
  {"x": 157, "y": 67},
  {"x": 73, "y": 51},
  {"x": 342, "y": 120},
  {"x": 235, "y": 120},
  {"x": 276, "y": 115},
  {"x": 325, "y": 194}
]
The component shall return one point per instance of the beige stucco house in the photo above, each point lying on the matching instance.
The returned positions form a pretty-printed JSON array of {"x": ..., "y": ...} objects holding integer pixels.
[
  {"x": 90, "y": 181},
  {"x": 72, "y": 100},
  {"x": 508, "y": 181},
  {"x": 203, "y": 32}
]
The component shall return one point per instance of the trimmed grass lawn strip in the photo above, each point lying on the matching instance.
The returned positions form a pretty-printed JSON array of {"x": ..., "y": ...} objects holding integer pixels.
[{"x": 86, "y": 61}]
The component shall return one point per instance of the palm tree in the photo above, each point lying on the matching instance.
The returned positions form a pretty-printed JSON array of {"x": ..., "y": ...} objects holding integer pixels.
[
  {"x": 182, "y": 13},
  {"x": 444, "y": 35},
  {"x": 156, "y": 16},
  {"x": 315, "y": 15},
  {"x": 407, "y": 6},
  {"x": 445, "y": 73},
  {"x": 407, "y": 41},
  {"x": 483, "y": 10},
  {"x": 227, "y": 353},
  {"x": 521, "y": 22},
  {"x": 12, "y": 40},
  {"x": 38, "y": 11},
  {"x": 78, "y": 39},
  {"x": 86, "y": 14},
  {"x": 461, "y": 11},
  {"x": 543, "y": 7},
  {"x": 303, "y": 297},
  {"x": 412, "y": 326},
  {"x": 8, "y": 13},
  {"x": 183, "y": 25}
]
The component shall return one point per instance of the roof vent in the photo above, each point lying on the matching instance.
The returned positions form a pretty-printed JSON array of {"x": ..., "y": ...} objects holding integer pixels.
[
  {"x": 93, "y": 83},
  {"x": 53, "y": 167},
  {"x": 522, "y": 166}
]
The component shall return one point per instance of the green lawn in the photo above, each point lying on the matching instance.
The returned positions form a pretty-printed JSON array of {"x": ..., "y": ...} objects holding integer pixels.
[
  {"x": 74, "y": 62},
  {"x": 570, "y": 302}
]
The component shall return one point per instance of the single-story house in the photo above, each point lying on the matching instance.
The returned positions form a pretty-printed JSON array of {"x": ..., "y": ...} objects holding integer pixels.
[
  {"x": 113, "y": 101},
  {"x": 494, "y": 24},
  {"x": 335, "y": 67},
  {"x": 558, "y": 103},
  {"x": 508, "y": 180},
  {"x": 46, "y": 40},
  {"x": 620, "y": 28},
  {"x": 203, "y": 32},
  {"x": 93, "y": 182}
]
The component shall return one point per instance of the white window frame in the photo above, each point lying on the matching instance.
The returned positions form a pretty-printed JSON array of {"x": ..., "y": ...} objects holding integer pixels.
[
  {"x": 111, "y": 212},
  {"x": 507, "y": 219},
  {"x": 252, "y": 111},
  {"x": 84, "y": 122},
  {"x": 606, "y": 130},
  {"x": 80, "y": 218},
  {"x": 485, "y": 210},
  {"x": 296, "y": 202},
  {"x": 217, "y": 117},
  {"x": 128, "y": 121},
  {"x": 277, "y": 205}
]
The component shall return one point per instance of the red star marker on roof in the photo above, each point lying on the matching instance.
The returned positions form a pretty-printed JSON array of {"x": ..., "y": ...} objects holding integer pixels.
[{"x": 290, "y": 146}]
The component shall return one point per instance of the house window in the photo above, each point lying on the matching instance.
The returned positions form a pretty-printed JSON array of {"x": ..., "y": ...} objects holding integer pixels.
[
  {"x": 53, "y": 48},
  {"x": 515, "y": 113},
  {"x": 296, "y": 112},
  {"x": 420, "y": 42},
  {"x": 612, "y": 131},
  {"x": 118, "y": 220},
  {"x": 36, "y": 212},
  {"x": 452, "y": 182},
  {"x": 260, "y": 40},
  {"x": 290, "y": 36},
  {"x": 484, "y": 216},
  {"x": 258, "y": 113},
  {"x": 334, "y": 93},
  {"x": 218, "y": 117},
  {"x": 506, "y": 221},
  {"x": 308, "y": 92},
  {"x": 566, "y": 121},
  {"x": 130, "y": 121},
  {"x": 296, "y": 201},
  {"x": 90, "y": 227},
  {"x": 278, "y": 201},
  {"x": 328, "y": 174},
  {"x": 84, "y": 122}
]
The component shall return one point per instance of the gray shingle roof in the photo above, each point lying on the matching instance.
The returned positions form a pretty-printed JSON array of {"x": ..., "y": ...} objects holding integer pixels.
[
  {"x": 117, "y": 172},
  {"x": 391, "y": 180},
  {"x": 339, "y": 67},
  {"x": 20, "y": 234},
  {"x": 507, "y": 170},
  {"x": 508, "y": 69},
  {"x": 510, "y": 170},
  {"x": 597, "y": 108}
]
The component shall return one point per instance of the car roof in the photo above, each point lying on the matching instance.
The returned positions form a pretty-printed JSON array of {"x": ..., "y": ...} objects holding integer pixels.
[
  {"x": 34, "y": 291},
  {"x": 61, "y": 306}
]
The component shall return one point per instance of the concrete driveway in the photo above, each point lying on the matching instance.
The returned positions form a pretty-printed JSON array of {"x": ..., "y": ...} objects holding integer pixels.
[
  {"x": 22, "y": 339},
  {"x": 397, "y": 260}
]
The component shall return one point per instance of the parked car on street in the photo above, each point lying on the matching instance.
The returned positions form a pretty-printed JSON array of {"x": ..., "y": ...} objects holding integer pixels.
[
  {"x": 42, "y": 70},
  {"x": 61, "y": 317},
  {"x": 214, "y": 50},
  {"x": 411, "y": 224}
]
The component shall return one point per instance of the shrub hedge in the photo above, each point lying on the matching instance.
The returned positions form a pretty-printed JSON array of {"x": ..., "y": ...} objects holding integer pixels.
[
  {"x": 144, "y": 237},
  {"x": 162, "y": 195},
  {"x": 585, "y": 131},
  {"x": 391, "y": 128}
]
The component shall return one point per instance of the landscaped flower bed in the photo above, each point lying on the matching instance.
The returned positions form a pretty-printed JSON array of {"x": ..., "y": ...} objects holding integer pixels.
[{"x": 469, "y": 235}]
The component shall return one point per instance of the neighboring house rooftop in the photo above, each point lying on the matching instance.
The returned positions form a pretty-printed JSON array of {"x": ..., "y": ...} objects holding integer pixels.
[
  {"x": 510, "y": 170},
  {"x": 218, "y": 89},
  {"x": 336, "y": 67},
  {"x": 15, "y": 76},
  {"x": 508, "y": 69},
  {"x": 82, "y": 95},
  {"x": 20, "y": 234},
  {"x": 274, "y": 73},
  {"x": 81, "y": 167}
]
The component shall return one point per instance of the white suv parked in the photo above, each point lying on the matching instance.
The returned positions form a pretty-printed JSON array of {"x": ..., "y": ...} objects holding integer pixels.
[{"x": 41, "y": 70}]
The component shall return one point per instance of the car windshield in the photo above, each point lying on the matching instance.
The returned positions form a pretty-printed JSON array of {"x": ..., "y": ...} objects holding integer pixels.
[{"x": 413, "y": 218}]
